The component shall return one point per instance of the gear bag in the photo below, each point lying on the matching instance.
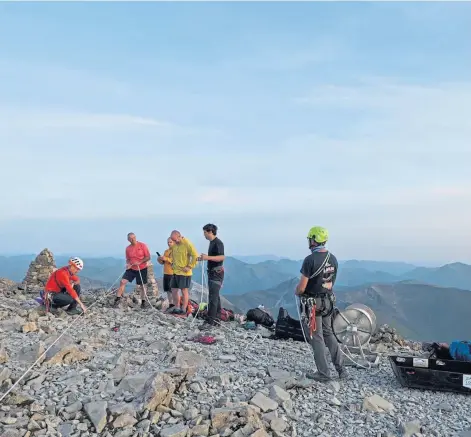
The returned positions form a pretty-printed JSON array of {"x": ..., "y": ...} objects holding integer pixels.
[
  {"x": 260, "y": 317},
  {"x": 287, "y": 327},
  {"x": 461, "y": 350}
]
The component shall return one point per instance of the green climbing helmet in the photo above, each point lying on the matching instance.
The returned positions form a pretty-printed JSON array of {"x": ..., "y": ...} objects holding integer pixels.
[{"x": 318, "y": 234}]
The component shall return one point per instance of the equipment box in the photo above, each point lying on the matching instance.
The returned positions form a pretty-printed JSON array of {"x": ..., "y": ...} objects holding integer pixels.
[{"x": 432, "y": 374}]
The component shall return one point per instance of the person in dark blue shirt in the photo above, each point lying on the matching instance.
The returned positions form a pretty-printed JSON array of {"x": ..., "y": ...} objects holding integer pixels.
[{"x": 315, "y": 288}]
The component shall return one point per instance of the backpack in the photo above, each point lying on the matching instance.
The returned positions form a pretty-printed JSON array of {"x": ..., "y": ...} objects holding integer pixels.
[
  {"x": 192, "y": 308},
  {"x": 440, "y": 351},
  {"x": 287, "y": 327},
  {"x": 260, "y": 317},
  {"x": 227, "y": 315},
  {"x": 461, "y": 350}
]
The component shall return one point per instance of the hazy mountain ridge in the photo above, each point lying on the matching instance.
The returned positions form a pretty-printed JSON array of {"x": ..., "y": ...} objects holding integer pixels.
[
  {"x": 242, "y": 277},
  {"x": 418, "y": 311}
]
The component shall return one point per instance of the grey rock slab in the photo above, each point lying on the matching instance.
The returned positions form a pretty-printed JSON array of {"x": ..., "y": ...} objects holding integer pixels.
[
  {"x": 124, "y": 420},
  {"x": 263, "y": 402},
  {"x": 377, "y": 404},
  {"x": 133, "y": 383},
  {"x": 278, "y": 394},
  {"x": 278, "y": 424},
  {"x": 411, "y": 428},
  {"x": 96, "y": 412},
  {"x": 178, "y": 430}
]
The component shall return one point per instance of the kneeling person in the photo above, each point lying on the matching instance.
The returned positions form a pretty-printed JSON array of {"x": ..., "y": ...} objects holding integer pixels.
[{"x": 63, "y": 288}]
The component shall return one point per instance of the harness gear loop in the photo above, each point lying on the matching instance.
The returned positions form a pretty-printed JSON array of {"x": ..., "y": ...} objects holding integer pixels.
[{"x": 312, "y": 321}]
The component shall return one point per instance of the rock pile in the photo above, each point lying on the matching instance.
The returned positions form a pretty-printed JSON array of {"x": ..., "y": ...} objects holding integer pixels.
[
  {"x": 39, "y": 270},
  {"x": 148, "y": 377},
  {"x": 152, "y": 285}
]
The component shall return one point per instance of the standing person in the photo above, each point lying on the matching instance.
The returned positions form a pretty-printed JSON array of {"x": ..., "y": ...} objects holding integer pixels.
[
  {"x": 215, "y": 258},
  {"x": 63, "y": 288},
  {"x": 137, "y": 257},
  {"x": 315, "y": 288},
  {"x": 166, "y": 261},
  {"x": 184, "y": 259}
]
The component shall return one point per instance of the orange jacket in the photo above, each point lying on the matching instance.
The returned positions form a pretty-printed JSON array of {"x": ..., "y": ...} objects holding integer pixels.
[{"x": 60, "y": 279}]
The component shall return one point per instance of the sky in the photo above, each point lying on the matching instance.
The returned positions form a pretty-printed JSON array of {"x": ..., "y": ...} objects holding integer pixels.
[{"x": 264, "y": 118}]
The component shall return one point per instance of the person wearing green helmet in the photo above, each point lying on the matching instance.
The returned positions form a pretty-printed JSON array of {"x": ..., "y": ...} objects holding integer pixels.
[{"x": 315, "y": 291}]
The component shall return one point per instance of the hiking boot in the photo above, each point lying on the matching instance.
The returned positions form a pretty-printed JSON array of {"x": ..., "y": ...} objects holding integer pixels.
[
  {"x": 170, "y": 309},
  {"x": 206, "y": 326},
  {"x": 178, "y": 311},
  {"x": 343, "y": 374},
  {"x": 319, "y": 377},
  {"x": 74, "y": 312}
]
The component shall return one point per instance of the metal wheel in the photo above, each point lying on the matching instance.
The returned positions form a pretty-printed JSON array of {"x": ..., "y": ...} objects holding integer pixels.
[{"x": 355, "y": 325}]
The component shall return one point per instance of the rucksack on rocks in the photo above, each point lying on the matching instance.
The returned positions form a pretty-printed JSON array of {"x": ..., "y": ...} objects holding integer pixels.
[
  {"x": 227, "y": 315},
  {"x": 461, "y": 350},
  {"x": 260, "y": 317},
  {"x": 287, "y": 327}
]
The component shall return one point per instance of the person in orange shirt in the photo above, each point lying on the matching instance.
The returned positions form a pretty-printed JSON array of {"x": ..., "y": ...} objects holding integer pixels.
[
  {"x": 137, "y": 257},
  {"x": 166, "y": 261},
  {"x": 63, "y": 288}
]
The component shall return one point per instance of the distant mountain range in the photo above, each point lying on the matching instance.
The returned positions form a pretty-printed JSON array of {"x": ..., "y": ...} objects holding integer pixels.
[
  {"x": 418, "y": 311},
  {"x": 422, "y": 302},
  {"x": 242, "y": 277}
]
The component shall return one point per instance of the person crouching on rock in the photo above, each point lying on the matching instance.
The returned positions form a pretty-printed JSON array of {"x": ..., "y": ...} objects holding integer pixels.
[
  {"x": 137, "y": 257},
  {"x": 63, "y": 288},
  {"x": 315, "y": 288}
]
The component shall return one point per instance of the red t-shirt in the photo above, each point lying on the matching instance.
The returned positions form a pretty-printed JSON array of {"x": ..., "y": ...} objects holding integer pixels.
[
  {"x": 136, "y": 253},
  {"x": 60, "y": 279}
]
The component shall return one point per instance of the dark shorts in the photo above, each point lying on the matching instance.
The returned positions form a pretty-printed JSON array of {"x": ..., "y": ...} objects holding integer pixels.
[
  {"x": 131, "y": 274},
  {"x": 180, "y": 281},
  {"x": 168, "y": 282}
]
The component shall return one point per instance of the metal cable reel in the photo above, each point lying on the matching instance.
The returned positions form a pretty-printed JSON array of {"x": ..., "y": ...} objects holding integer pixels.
[{"x": 353, "y": 327}]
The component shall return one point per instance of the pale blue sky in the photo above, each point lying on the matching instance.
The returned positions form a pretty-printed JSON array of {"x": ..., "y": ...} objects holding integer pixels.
[{"x": 266, "y": 118}]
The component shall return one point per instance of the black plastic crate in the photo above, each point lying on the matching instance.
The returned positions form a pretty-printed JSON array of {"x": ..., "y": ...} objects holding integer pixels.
[{"x": 432, "y": 374}]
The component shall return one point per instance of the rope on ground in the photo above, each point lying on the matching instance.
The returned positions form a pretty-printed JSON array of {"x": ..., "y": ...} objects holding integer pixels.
[{"x": 79, "y": 318}]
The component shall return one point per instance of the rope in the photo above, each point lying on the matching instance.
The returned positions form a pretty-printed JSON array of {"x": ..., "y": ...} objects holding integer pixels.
[
  {"x": 80, "y": 317},
  {"x": 202, "y": 294}
]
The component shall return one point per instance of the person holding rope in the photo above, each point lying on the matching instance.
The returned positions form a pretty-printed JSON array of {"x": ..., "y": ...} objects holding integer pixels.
[
  {"x": 63, "y": 288},
  {"x": 315, "y": 289},
  {"x": 184, "y": 259},
  {"x": 215, "y": 258},
  {"x": 137, "y": 257}
]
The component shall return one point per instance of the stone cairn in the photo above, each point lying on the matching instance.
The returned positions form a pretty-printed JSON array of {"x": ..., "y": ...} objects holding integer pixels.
[
  {"x": 39, "y": 270},
  {"x": 152, "y": 287}
]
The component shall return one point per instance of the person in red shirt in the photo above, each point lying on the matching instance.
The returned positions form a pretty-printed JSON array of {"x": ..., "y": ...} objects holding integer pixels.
[
  {"x": 137, "y": 257},
  {"x": 63, "y": 288}
]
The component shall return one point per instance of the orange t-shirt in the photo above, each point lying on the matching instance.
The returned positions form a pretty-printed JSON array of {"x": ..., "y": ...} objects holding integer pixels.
[
  {"x": 60, "y": 279},
  {"x": 136, "y": 253}
]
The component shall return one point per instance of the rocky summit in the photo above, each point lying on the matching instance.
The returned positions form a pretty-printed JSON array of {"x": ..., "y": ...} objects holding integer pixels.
[{"x": 130, "y": 372}]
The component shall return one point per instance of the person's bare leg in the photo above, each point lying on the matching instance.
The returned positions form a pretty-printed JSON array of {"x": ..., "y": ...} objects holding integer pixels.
[
  {"x": 185, "y": 299},
  {"x": 175, "y": 296},
  {"x": 122, "y": 286}
]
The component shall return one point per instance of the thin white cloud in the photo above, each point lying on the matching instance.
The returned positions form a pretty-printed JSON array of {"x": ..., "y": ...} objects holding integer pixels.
[{"x": 14, "y": 118}]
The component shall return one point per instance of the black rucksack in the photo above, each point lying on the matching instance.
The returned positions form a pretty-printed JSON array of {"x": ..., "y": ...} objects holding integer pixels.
[
  {"x": 260, "y": 317},
  {"x": 287, "y": 327}
]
